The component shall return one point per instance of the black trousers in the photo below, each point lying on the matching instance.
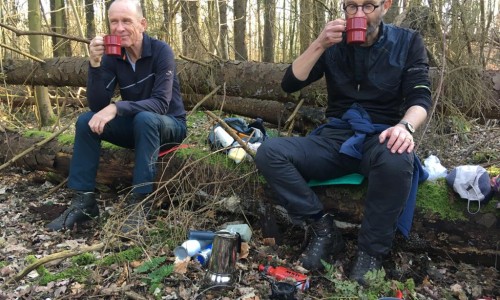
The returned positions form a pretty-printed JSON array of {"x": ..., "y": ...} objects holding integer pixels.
[{"x": 289, "y": 163}]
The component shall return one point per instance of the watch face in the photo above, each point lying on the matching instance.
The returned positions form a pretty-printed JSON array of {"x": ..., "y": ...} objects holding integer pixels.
[{"x": 410, "y": 127}]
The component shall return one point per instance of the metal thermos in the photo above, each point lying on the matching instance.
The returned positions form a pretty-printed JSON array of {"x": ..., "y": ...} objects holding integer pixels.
[{"x": 222, "y": 263}]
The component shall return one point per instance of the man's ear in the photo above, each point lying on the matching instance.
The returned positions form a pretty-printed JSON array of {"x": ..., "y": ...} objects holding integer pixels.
[{"x": 144, "y": 23}]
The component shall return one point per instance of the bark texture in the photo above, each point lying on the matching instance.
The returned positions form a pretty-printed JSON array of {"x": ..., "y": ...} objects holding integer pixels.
[{"x": 253, "y": 80}]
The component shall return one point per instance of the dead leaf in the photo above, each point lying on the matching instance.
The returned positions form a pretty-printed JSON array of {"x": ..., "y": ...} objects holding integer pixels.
[
  {"x": 269, "y": 242},
  {"x": 135, "y": 264},
  {"x": 180, "y": 266},
  {"x": 245, "y": 250}
]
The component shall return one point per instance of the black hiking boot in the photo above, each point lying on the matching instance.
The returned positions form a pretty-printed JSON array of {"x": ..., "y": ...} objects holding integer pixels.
[
  {"x": 362, "y": 265},
  {"x": 137, "y": 212},
  {"x": 83, "y": 208},
  {"x": 326, "y": 240}
]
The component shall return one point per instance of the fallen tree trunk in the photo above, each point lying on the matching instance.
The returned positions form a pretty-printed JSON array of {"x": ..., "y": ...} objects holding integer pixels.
[
  {"x": 473, "y": 241},
  {"x": 255, "y": 80}
]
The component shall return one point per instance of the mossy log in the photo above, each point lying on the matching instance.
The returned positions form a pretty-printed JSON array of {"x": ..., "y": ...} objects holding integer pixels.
[{"x": 441, "y": 224}]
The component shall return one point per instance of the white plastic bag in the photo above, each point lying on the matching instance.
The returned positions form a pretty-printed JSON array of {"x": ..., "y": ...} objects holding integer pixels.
[{"x": 433, "y": 166}]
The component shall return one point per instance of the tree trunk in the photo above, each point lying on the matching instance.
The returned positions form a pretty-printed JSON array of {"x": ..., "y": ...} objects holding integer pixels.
[
  {"x": 41, "y": 93},
  {"x": 223, "y": 36},
  {"x": 190, "y": 28},
  {"x": 240, "y": 79},
  {"x": 89, "y": 18},
  {"x": 305, "y": 25},
  {"x": 61, "y": 46},
  {"x": 240, "y": 24},
  {"x": 269, "y": 30},
  {"x": 472, "y": 241}
]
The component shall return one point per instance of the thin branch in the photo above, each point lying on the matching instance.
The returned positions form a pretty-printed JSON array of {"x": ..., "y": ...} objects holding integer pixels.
[
  {"x": 22, "y": 32},
  {"x": 52, "y": 257},
  {"x": 203, "y": 100},
  {"x": 35, "y": 146},
  {"x": 194, "y": 61},
  {"x": 23, "y": 53},
  {"x": 231, "y": 133}
]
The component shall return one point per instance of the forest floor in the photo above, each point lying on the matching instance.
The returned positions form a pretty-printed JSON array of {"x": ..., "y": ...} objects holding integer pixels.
[{"x": 27, "y": 203}]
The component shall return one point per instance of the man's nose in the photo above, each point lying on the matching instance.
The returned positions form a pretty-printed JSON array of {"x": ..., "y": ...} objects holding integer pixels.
[{"x": 360, "y": 12}]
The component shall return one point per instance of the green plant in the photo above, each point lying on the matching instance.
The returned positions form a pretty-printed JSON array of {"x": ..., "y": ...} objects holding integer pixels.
[
  {"x": 123, "y": 256},
  {"x": 377, "y": 285},
  {"x": 156, "y": 273},
  {"x": 342, "y": 288}
]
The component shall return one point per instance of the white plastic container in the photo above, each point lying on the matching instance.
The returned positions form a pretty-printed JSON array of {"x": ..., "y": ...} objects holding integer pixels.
[
  {"x": 237, "y": 154},
  {"x": 223, "y": 137}
]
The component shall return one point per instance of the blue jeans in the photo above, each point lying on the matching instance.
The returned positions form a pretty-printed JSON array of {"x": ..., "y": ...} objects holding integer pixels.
[
  {"x": 289, "y": 163},
  {"x": 146, "y": 132}
]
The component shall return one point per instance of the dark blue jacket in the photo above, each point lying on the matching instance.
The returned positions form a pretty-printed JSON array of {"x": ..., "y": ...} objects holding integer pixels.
[
  {"x": 391, "y": 76},
  {"x": 153, "y": 86}
]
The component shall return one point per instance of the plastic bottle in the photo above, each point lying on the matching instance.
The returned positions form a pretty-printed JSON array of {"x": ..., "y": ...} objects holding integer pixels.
[
  {"x": 223, "y": 137},
  {"x": 189, "y": 248},
  {"x": 281, "y": 273}
]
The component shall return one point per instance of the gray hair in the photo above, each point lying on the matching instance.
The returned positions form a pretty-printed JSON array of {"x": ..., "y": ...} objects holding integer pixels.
[{"x": 135, "y": 3}]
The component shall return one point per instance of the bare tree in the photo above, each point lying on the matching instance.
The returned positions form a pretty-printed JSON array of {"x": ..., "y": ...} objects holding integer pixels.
[
  {"x": 190, "y": 27},
  {"x": 41, "y": 93},
  {"x": 305, "y": 27},
  {"x": 240, "y": 21},
  {"x": 89, "y": 18},
  {"x": 269, "y": 30},
  {"x": 223, "y": 36}
]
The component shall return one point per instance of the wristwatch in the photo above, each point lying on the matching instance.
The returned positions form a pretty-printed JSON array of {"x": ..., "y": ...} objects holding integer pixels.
[{"x": 408, "y": 126}]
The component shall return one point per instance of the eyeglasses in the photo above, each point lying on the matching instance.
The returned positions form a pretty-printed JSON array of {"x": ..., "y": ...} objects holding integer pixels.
[{"x": 368, "y": 8}]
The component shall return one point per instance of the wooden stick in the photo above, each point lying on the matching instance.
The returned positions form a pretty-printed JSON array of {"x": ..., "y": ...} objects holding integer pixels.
[
  {"x": 291, "y": 119},
  {"x": 21, "y": 32},
  {"x": 203, "y": 100},
  {"x": 51, "y": 257},
  {"x": 35, "y": 146},
  {"x": 231, "y": 133}
]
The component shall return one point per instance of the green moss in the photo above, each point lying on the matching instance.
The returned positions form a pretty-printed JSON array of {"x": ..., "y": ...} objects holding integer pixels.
[
  {"x": 83, "y": 259},
  {"x": 434, "y": 197},
  {"x": 76, "y": 273},
  {"x": 37, "y": 133},
  {"x": 121, "y": 257},
  {"x": 66, "y": 139}
]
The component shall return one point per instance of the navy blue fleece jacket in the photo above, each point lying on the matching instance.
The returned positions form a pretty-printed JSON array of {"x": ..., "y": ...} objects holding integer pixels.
[{"x": 153, "y": 86}]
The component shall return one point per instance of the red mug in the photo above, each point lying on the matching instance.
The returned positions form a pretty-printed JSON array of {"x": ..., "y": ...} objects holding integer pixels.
[
  {"x": 356, "y": 30},
  {"x": 113, "y": 44}
]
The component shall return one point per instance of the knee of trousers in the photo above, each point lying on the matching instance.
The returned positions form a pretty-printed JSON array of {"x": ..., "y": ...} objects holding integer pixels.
[
  {"x": 82, "y": 122},
  {"x": 394, "y": 163},
  {"x": 268, "y": 152},
  {"x": 144, "y": 119}
]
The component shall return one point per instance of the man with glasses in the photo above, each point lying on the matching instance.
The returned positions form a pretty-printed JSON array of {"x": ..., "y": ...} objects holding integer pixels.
[{"x": 378, "y": 93}]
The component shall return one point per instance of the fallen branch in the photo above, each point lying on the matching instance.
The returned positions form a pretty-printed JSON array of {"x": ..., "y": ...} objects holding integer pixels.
[
  {"x": 289, "y": 123},
  {"x": 52, "y": 257},
  {"x": 231, "y": 133}
]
